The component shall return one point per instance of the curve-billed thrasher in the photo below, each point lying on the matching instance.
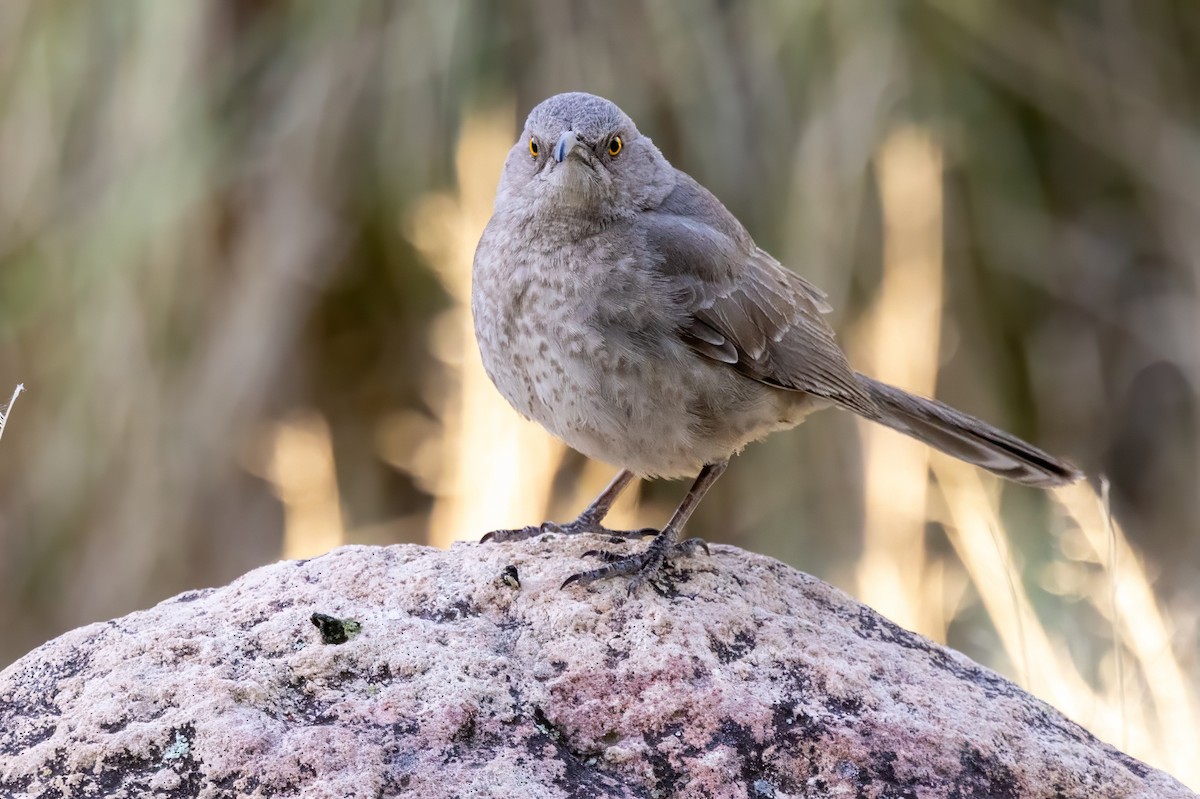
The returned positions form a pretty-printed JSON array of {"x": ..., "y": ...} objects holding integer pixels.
[{"x": 618, "y": 304}]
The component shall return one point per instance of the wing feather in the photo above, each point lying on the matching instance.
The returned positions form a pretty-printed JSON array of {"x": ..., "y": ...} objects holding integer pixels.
[{"x": 742, "y": 307}]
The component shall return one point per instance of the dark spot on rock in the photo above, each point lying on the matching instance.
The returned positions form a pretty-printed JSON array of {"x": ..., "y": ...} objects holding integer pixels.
[
  {"x": 14, "y": 743},
  {"x": 613, "y": 657},
  {"x": 800, "y": 682},
  {"x": 877, "y": 777},
  {"x": 402, "y": 728},
  {"x": 238, "y": 784},
  {"x": 666, "y": 775},
  {"x": 185, "y": 650},
  {"x": 754, "y": 767},
  {"x": 545, "y": 726},
  {"x": 457, "y": 610},
  {"x": 257, "y": 619},
  {"x": 583, "y": 776},
  {"x": 299, "y": 705},
  {"x": 381, "y": 675},
  {"x": 130, "y": 774},
  {"x": 39, "y": 683},
  {"x": 735, "y": 649},
  {"x": 343, "y": 677},
  {"x": 983, "y": 775},
  {"x": 466, "y": 731},
  {"x": 758, "y": 771},
  {"x": 844, "y": 707},
  {"x": 792, "y": 725}
]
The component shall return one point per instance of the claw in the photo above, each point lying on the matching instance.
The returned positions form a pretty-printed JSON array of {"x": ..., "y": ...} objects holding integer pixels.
[
  {"x": 574, "y": 578},
  {"x": 520, "y": 534},
  {"x": 641, "y": 567},
  {"x": 604, "y": 555}
]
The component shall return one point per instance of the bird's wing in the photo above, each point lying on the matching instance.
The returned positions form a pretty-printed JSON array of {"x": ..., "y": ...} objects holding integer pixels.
[{"x": 743, "y": 308}]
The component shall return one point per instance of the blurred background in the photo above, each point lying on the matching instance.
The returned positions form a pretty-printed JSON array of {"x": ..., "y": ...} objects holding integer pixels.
[{"x": 235, "y": 247}]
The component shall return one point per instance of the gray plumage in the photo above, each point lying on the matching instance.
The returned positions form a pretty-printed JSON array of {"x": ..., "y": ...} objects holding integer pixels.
[{"x": 621, "y": 306}]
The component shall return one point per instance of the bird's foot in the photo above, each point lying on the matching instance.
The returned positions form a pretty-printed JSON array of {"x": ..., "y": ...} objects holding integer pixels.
[
  {"x": 584, "y": 524},
  {"x": 640, "y": 567}
]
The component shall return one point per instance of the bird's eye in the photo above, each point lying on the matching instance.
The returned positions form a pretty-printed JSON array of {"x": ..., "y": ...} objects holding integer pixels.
[
  {"x": 614, "y": 146},
  {"x": 533, "y": 148}
]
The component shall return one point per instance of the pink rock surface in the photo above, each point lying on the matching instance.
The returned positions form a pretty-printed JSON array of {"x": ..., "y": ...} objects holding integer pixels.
[{"x": 749, "y": 679}]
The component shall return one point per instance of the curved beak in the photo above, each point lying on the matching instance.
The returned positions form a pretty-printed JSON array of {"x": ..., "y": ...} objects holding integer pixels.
[{"x": 565, "y": 144}]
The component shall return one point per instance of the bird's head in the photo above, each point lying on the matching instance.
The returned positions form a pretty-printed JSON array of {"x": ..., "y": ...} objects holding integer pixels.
[{"x": 580, "y": 156}]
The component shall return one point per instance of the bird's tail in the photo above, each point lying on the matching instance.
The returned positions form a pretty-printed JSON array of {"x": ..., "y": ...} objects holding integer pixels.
[{"x": 967, "y": 438}]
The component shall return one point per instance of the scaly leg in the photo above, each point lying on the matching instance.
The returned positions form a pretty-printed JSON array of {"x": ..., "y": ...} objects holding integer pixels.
[
  {"x": 644, "y": 565},
  {"x": 588, "y": 521}
]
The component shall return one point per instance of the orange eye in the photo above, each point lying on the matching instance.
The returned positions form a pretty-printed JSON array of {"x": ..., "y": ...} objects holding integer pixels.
[
  {"x": 533, "y": 148},
  {"x": 614, "y": 146}
]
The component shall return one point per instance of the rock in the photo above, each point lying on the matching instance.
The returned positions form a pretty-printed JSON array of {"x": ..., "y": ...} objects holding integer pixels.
[{"x": 450, "y": 674}]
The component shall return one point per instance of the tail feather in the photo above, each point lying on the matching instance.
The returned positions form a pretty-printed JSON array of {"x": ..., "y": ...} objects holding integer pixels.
[{"x": 967, "y": 438}]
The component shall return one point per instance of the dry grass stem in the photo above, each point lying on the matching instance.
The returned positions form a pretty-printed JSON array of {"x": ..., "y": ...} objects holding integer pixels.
[{"x": 8, "y": 408}]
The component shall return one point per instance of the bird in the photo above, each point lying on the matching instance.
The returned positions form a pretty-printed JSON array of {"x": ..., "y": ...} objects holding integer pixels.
[{"x": 618, "y": 304}]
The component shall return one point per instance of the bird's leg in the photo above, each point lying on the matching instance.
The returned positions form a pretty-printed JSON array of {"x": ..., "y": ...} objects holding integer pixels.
[
  {"x": 587, "y": 522},
  {"x": 644, "y": 565}
]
